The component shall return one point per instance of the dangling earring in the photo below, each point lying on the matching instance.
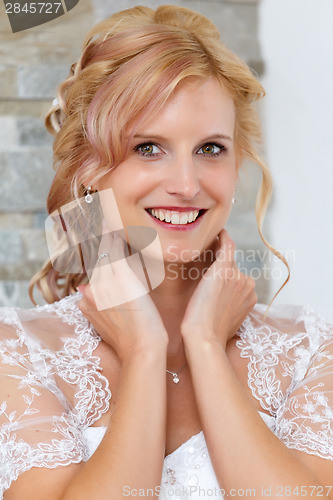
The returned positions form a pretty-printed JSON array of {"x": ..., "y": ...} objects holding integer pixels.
[
  {"x": 234, "y": 200},
  {"x": 88, "y": 196}
]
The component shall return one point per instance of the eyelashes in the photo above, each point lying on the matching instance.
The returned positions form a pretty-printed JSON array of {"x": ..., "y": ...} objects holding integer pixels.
[
  {"x": 151, "y": 149},
  {"x": 211, "y": 145},
  {"x": 146, "y": 149}
]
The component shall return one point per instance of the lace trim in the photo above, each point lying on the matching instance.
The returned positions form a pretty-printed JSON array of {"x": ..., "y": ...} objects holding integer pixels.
[
  {"x": 315, "y": 413},
  {"x": 17, "y": 456},
  {"x": 315, "y": 325},
  {"x": 305, "y": 426},
  {"x": 8, "y": 316},
  {"x": 76, "y": 365},
  {"x": 265, "y": 348}
]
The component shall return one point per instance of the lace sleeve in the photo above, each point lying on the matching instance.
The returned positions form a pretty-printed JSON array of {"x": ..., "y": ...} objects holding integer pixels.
[
  {"x": 305, "y": 420},
  {"x": 37, "y": 426}
]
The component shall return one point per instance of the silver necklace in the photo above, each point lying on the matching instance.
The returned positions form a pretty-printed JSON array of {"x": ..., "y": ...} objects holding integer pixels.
[{"x": 175, "y": 376}]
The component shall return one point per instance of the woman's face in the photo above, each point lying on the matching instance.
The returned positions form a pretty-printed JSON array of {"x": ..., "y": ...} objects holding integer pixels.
[{"x": 180, "y": 174}]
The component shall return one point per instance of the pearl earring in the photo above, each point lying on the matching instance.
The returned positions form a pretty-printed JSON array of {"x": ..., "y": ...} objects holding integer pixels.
[
  {"x": 233, "y": 200},
  {"x": 88, "y": 197}
]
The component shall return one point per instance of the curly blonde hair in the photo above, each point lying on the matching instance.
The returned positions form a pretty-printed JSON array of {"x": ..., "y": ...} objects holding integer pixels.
[{"x": 130, "y": 65}]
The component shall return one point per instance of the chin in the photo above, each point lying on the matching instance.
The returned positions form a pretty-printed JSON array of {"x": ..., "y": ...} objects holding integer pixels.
[{"x": 181, "y": 254}]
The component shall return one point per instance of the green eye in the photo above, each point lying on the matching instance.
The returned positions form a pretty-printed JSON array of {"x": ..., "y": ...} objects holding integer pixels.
[
  {"x": 147, "y": 148},
  {"x": 212, "y": 149},
  {"x": 208, "y": 148}
]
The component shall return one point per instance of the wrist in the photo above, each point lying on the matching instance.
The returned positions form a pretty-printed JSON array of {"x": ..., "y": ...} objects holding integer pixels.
[
  {"x": 144, "y": 367},
  {"x": 201, "y": 334},
  {"x": 200, "y": 338},
  {"x": 146, "y": 354}
]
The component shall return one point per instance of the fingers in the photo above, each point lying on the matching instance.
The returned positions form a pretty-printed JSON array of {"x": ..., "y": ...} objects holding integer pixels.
[
  {"x": 111, "y": 248},
  {"x": 227, "y": 260},
  {"x": 224, "y": 267},
  {"x": 118, "y": 253},
  {"x": 87, "y": 302},
  {"x": 105, "y": 247},
  {"x": 253, "y": 298},
  {"x": 225, "y": 273},
  {"x": 226, "y": 253},
  {"x": 225, "y": 239},
  {"x": 113, "y": 251},
  {"x": 117, "y": 278}
]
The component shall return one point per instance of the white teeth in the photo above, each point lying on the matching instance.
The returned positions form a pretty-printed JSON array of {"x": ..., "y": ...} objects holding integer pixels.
[{"x": 174, "y": 218}]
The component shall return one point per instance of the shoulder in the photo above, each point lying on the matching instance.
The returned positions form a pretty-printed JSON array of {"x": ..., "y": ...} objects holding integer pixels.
[
  {"x": 51, "y": 387},
  {"x": 29, "y": 324},
  {"x": 46, "y": 338},
  {"x": 55, "y": 347},
  {"x": 281, "y": 347},
  {"x": 285, "y": 326},
  {"x": 288, "y": 334}
]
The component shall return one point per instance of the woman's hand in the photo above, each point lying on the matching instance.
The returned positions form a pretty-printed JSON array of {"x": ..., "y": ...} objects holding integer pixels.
[
  {"x": 129, "y": 325},
  {"x": 222, "y": 299}
]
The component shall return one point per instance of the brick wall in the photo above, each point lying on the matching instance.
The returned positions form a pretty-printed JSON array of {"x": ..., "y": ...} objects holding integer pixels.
[{"x": 32, "y": 63}]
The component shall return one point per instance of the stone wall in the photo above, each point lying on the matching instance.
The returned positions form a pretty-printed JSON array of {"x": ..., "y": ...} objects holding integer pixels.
[{"x": 32, "y": 63}]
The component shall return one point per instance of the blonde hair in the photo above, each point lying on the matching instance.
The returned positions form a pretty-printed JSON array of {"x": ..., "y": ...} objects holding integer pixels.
[{"x": 130, "y": 65}]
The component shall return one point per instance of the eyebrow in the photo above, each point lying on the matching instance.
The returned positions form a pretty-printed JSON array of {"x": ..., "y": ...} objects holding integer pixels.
[{"x": 159, "y": 137}]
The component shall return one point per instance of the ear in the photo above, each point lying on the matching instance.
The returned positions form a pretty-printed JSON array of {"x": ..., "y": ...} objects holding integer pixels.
[{"x": 93, "y": 187}]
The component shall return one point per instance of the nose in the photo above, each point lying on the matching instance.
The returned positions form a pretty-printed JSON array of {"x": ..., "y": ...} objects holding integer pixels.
[{"x": 183, "y": 179}]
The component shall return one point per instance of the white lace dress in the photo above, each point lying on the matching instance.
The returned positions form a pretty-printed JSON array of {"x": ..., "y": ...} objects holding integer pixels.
[{"x": 52, "y": 390}]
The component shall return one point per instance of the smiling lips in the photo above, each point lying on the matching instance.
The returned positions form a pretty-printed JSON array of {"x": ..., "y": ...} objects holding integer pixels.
[{"x": 176, "y": 216}]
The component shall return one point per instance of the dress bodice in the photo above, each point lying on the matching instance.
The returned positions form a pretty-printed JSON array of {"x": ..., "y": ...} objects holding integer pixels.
[
  {"x": 186, "y": 471},
  {"x": 49, "y": 365}
]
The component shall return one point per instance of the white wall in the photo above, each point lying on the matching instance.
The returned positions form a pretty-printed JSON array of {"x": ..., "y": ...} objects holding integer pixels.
[{"x": 297, "y": 43}]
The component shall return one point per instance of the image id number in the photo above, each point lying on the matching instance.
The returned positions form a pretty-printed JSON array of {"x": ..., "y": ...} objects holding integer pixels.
[
  {"x": 32, "y": 8},
  {"x": 303, "y": 491}
]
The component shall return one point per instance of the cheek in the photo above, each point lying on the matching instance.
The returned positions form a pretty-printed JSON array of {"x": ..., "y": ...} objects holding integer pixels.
[
  {"x": 131, "y": 184},
  {"x": 221, "y": 186}
]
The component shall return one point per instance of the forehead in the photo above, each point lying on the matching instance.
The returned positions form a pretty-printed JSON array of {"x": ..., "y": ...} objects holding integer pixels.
[{"x": 195, "y": 105}]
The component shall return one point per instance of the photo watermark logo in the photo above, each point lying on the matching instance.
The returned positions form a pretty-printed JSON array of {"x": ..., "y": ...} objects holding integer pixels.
[
  {"x": 24, "y": 15},
  {"x": 87, "y": 236},
  {"x": 258, "y": 264}
]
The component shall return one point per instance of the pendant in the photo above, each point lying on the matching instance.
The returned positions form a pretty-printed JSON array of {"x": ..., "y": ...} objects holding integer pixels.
[{"x": 175, "y": 379}]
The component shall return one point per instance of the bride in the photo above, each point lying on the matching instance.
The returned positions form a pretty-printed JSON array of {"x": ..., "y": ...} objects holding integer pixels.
[{"x": 190, "y": 390}]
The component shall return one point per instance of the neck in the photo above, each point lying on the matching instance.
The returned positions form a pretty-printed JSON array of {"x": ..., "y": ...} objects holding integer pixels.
[{"x": 171, "y": 299}]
